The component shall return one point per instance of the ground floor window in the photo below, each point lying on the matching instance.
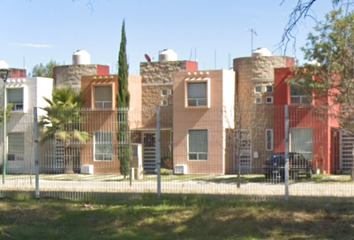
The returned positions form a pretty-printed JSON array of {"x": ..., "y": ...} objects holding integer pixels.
[
  {"x": 103, "y": 146},
  {"x": 16, "y": 147},
  {"x": 301, "y": 141},
  {"x": 198, "y": 144}
]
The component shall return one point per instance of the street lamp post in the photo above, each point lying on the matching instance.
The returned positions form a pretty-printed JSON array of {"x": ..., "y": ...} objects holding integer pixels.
[{"x": 4, "y": 72}]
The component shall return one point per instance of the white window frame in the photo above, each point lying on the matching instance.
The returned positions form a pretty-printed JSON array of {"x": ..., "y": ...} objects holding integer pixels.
[
  {"x": 255, "y": 88},
  {"x": 271, "y": 132},
  {"x": 207, "y": 99},
  {"x": 271, "y": 100},
  {"x": 164, "y": 102},
  {"x": 19, "y": 154},
  {"x": 304, "y": 153},
  {"x": 303, "y": 99},
  {"x": 198, "y": 154},
  {"x": 111, "y": 154},
  {"x": 105, "y": 105},
  {"x": 164, "y": 92},
  {"x": 15, "y": 105},
  {"x": 269, "y": 86},
  {"x": 256, "y": 100}
]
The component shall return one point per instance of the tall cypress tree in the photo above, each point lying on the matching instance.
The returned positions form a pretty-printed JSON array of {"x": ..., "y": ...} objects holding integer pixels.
[
  {"x": 123, "y": 105},
  {"x": 123, "y": 93}
]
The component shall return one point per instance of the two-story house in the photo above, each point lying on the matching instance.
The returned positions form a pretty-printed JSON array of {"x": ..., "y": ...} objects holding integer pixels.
[
  {"x": 101, "y": 120},
  {"x": 203, "y": 111},
  {"x": 23, "y": 94},
  {"x": 313, "y": 133}
]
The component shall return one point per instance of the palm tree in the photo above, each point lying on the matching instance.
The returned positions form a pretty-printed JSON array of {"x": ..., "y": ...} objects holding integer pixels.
[{"x": 63, "y": 122}]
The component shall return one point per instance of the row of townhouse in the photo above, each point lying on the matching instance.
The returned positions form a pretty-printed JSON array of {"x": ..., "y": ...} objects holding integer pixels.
[{"x": 214, "y": 121}]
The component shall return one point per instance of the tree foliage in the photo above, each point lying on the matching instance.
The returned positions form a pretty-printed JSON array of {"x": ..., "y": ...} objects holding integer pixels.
[
  {"x": 331, "y": 46},
  {"x": 41, "y": 70},
  {"x": 63, "y": 121},
  {"x": 124, "y": 138}
]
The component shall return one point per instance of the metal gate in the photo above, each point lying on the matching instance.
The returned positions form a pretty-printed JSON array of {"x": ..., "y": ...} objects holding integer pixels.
[
  {"x": 346, "y": 156},
  {"x": 149, "y": 142}
]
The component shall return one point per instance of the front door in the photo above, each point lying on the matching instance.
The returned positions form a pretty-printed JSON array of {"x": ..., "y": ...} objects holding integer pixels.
[{"x": 149, "y": 142}]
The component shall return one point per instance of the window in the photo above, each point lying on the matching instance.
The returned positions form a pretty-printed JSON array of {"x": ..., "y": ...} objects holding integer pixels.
[
  {"x": 103, "y": 97},
  {"x": 269, "y": 89},
  {"x": 258, "y": 100},
  {"x": 258, "y": 89},
  {"x": 298, "y": 96},
  {"x": 103, "y": 146},
  {"x": 301, "y": 141},
  {"x": 164, "y": 102},
  {"x": 16, "y": 148},
  {"x": 164, "y": 92},
  {"x": 269, "y": 140},
  {"x": 15, "y": 97},
  {"x": 269, "y": 100},
  {"x": 197, "y": 94},
  {"x": 198, "y": 144}
]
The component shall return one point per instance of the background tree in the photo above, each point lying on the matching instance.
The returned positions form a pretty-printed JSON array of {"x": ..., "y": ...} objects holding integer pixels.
[
  {"x": 41, "y": 70},
  {"x": 63, "y": 121},
  {"x": 331, "y": 46},
  {"x": 301, "y": 11},
  {"x": 123, "y": 106}
]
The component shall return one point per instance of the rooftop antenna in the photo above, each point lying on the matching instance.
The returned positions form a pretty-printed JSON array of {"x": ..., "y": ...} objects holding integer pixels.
[{"x": 253, "y": 32}]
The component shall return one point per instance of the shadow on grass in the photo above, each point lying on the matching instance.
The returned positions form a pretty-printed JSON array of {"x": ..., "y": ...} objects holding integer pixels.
[{"x": 176, "y": 217}]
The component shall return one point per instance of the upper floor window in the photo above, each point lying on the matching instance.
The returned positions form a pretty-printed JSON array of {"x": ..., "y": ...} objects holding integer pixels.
[
  {"x": 15, "y": 97},
  {"x": 103, "y": 97},
  {"x": 197, "y": 94},
  {"x": 258, "y": 89},
  {"x": 298, "y": 96},
  {"x": 269, "y": 89}
]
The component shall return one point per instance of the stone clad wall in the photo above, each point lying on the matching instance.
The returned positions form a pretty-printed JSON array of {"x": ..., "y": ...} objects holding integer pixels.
[
  {"x": 70, "y": 75},
  {"x": 160, "y": 72},
  {"x": 158, "y": 76},
  {"x": 257, "y": 118}
]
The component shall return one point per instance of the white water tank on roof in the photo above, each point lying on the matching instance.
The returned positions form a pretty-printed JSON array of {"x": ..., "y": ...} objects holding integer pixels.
[
  {"x": 167, "y": 55},
  {"x": 262, "y": 52},
  {"x": 81, "y": 57}
]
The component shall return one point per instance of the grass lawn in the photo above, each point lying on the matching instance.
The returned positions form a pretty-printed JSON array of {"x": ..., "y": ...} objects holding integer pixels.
[{"x": 176, "y": 218}]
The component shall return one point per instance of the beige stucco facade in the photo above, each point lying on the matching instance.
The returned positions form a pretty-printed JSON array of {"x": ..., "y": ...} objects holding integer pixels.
[{"x": 216, "y": 117}]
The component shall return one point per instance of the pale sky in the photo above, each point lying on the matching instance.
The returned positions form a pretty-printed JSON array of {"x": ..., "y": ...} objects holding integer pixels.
[{"x": 212, "y": 31}]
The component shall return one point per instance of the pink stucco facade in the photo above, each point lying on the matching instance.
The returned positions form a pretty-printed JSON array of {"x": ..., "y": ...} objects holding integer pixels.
[{"x": 215, "y": 117}]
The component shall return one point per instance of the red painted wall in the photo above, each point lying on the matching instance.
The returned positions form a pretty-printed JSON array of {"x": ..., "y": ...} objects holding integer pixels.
[
  {"x": 302, "y": 116},
  {"x": 17, "y": 73},
  {"x": 191, "y": 66},
  {"x": 102, "y": 70}
]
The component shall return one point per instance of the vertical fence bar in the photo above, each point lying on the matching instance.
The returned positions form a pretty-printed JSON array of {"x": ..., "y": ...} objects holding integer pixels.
[
  {"x": 286, "y": 170},
  {"x": 158, "y": 152},
  {"x": 36, "y": 163},
  {"x": 4, "y": 144}
]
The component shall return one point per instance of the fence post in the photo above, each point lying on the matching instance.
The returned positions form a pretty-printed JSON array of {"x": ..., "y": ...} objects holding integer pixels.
[
  {"x": 286, "y": 170},
  {"x": 36, "y": 163},
  {"x": 158, "y": 152}
]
